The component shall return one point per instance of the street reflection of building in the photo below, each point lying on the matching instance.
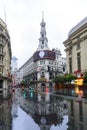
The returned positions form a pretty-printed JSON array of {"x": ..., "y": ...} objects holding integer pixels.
[
  {"x": 77, "y": 114},
  {"x": 14, "y": 105},
  {"x": 76, "y": 48},
  {"x": 5, "y": 60},
  {"x": 5, "y": 115},
  {"x": 44, "y": 63},
  {"x": 44, "y": 112}
]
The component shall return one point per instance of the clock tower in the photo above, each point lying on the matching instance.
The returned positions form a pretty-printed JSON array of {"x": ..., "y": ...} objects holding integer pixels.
[
  {"x": 44, "y": 58},
  {"x": 43, "y": 41}
]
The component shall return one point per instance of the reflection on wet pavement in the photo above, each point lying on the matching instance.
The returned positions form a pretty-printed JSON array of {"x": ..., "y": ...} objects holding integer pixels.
[
  {"x": 43, "y": 111},
  {"x": 5, "y": 115}
]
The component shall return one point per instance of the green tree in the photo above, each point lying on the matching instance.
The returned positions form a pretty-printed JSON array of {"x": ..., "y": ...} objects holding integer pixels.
[
  {"x": 58, "y": 79},
  {"x": 23, "y": 83},
  {"x": 69, "y": 77},
  {"x": 64, "y": 79},
  {"x": 85, "y": 78}
]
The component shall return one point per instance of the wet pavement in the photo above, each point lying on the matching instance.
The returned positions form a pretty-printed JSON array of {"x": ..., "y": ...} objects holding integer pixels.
[
  {"x": 37, "y": 112},
  {"x": 43, "y": 111},
  {"x": 25, "y": 122}
]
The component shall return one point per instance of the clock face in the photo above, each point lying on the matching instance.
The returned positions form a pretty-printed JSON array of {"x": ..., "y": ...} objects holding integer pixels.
[
  {"x": 41, "y": 54},
  {"x": 43, "y": 120}
]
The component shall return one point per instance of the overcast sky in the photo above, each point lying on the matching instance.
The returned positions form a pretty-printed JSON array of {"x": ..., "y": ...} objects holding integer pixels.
[{"x": 23, "y": 18}]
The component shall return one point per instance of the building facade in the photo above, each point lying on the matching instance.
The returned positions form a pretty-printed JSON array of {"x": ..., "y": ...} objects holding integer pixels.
[
  {"x": 14, "y": 69},
  {"x": 5, "y": 59},
  {"x": 44, "y": 64},
  {"x": 76, "y": 48}
]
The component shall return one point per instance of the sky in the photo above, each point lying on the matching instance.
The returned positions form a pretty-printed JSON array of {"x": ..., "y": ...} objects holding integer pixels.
[{"x": 23, "y": 18}]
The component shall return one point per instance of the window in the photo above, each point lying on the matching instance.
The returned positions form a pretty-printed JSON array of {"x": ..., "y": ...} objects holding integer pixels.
[
  {"x": 0, "y": 70},
  {"x": 63, "y": 68},
  {"x": 42, "y": 42},
  {"x": 78, "y": 37},
  {"x": 42, "y": 62},
  {"x": 1, "y": 29},
  {"x": 42, "y": 35},
  {"x": 78, "y": 46},
  {"x": 70, "y": 65},
  {"x": 42, "y": 74},
  {"x": 0, "y": 49},
  {"x": 70, "y": 51},
  {"x": 79, "y": 61},
  {"x": 42, "y": 47},
  {"x": 0, "y": 60},
  {"x": 43, "y": 25}
]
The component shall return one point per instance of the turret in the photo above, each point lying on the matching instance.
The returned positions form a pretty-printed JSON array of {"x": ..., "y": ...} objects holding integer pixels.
[{"x": 43, "y": 41}]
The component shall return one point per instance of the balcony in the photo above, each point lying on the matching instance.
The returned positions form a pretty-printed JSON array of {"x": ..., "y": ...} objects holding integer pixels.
[
  {"x": 2, "y": 53},
  {"x": 43, "y": 79},
  {"x": 3, "y": 34},
  {"x": 1, "y": 43},
  {"x": 2, "y": 65}
]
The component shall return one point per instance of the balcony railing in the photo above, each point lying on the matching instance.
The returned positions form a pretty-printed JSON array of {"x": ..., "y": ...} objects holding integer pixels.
[
  {"x": 2, "y": 64},
  {"x": 2, "y": 53}
]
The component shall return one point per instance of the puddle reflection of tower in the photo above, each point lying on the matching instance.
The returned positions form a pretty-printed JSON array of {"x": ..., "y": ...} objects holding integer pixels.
[{"x": 43, "y": 97}]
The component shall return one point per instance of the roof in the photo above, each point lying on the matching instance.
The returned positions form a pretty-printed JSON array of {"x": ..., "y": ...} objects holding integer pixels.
[
  {"x": 14, "y": 58},
  {"x": 76, "y": 27}
]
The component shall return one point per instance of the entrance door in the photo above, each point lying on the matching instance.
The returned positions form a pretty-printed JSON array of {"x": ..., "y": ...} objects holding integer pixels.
[{"x": 43, "y": 87}]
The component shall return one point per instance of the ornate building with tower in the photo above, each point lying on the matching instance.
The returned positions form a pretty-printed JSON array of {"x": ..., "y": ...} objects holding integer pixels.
[{"x": 44, "y": 64}]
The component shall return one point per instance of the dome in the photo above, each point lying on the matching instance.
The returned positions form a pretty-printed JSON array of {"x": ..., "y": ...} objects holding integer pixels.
[
  {"x": 14, "y": 58},
  {"x": 80, "y": 24}
]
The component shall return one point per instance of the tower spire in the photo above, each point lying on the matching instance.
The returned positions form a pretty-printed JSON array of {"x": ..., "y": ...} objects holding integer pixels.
[
  {"x": 43, "y": 41},
  {"x": 5, "y": 17},
  {"x": 42, "y": 16}
]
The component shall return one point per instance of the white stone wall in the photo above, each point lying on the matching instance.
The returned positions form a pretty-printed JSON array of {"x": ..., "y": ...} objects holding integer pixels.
[
  {"x": 84, "y": 55},
  {"x": 78, "y": 37}
]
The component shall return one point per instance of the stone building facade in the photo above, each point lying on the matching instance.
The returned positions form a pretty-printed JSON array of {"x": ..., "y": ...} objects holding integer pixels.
[
  {"x": 5, "y": 59},
  {"x": 76, "y": 48}
]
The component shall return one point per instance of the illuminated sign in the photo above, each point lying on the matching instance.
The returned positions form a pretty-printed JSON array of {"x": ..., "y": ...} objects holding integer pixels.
[{"x": 79, "y": 81}]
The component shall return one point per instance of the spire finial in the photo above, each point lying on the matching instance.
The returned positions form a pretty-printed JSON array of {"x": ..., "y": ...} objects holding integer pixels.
[
  {"x": 5, "y": 17},
  {"x": 42, "y": 16}
]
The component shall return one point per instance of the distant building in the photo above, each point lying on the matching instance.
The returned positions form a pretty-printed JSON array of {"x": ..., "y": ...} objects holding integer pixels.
[
  {"x": 5, "y": 60},
  {"x": 14, "y": 64},
  {"x": 76, "y": 48},
  {"x": 14, "y": 70},
  {"x": 44, "y": 64},
  {"x": 61, "y": 61}
]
